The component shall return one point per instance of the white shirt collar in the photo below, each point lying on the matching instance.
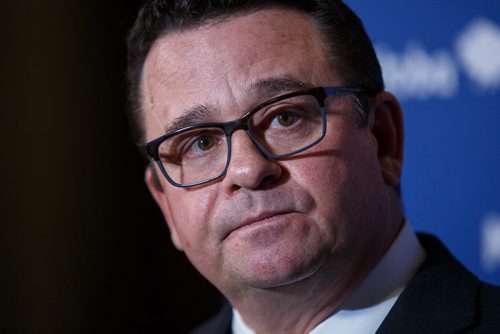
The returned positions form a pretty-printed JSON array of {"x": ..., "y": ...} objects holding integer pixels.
[{"x": 367, "y": 307}]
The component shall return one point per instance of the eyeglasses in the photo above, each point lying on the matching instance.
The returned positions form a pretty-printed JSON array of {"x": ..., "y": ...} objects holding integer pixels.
[{"x": 280, "y": 127}]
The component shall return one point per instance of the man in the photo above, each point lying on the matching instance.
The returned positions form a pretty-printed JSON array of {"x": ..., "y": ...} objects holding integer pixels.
[{"x": 276, "y": 161}]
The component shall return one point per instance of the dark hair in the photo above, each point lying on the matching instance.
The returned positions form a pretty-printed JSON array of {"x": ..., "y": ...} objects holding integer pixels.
[{"x": 352, "y": 51}]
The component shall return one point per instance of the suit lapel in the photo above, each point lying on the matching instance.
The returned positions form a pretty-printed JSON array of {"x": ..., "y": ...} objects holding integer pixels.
[{"x": 439, "y": 299}]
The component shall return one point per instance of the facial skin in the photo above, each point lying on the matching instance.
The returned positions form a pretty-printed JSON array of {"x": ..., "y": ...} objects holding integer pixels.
[{"x": 312, "y": 223}]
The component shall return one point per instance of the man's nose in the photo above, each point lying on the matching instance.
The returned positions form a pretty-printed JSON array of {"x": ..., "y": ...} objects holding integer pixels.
[{"x": 248, "y": 167}]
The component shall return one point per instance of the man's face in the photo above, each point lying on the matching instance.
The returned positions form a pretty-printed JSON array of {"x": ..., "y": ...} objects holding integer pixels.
[{"x": 266, "y": 223}]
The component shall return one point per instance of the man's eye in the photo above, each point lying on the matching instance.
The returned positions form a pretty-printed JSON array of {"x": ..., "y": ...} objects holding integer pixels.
[
  {"x": 205, "y": 143},
  {"x": 285, "y": 118}
]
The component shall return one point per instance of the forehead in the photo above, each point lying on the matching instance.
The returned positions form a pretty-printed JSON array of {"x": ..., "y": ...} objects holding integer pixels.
[{"x": 216, "y": 64}]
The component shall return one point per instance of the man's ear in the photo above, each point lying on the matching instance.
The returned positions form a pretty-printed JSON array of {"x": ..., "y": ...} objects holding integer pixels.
[
  {"x": 387, "y": 128},
  {"x": 156, "y": 189}
]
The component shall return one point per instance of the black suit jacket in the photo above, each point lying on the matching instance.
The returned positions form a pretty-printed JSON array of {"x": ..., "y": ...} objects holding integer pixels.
[{"x": 442, "y": 297}]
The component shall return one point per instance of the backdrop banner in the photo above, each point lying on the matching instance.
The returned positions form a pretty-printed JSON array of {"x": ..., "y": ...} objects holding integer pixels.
[{"x": 442, "y": 60}]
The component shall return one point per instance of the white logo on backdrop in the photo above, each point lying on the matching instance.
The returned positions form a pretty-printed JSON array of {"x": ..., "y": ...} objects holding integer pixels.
[
  {"x": 478, "y": 49},
  {"x": 419, "y": 74},
  {"x": 490, "y": 243}
]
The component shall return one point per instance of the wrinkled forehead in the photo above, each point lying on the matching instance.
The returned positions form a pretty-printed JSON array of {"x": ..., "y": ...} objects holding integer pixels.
[{"x": 216, "y": 65}]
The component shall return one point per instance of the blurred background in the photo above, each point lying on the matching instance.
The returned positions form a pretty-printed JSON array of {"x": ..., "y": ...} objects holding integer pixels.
[
  {"x": 442, "y": 60},
  {"x": 84, "y": 248}
]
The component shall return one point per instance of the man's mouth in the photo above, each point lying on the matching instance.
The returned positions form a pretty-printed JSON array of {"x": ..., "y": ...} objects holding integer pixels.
[{"x": 258, "y": 220}]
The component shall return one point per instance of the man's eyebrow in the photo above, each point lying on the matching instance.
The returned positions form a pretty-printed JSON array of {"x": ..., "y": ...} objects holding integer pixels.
[
  {"x": 277, "y": 85},
  {"x": 190, "y": 116}
]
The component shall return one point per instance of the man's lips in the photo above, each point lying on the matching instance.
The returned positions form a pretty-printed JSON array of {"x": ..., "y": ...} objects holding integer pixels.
[
  {"x": 247, "y": 209},
  {"x": 259, "y": 219}
]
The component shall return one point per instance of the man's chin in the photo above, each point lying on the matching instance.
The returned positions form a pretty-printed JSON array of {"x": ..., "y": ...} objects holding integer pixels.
[{"x": 274, "y": 272}]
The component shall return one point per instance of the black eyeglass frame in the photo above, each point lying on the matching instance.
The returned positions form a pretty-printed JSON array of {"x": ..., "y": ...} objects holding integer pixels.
[{"x": 320, "y": 93}]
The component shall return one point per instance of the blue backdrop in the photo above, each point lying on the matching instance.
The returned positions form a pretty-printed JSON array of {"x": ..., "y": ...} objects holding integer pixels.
[{"x": 442, "y": 60}]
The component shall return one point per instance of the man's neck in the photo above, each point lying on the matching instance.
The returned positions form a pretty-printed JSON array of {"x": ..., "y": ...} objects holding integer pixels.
[
  {"x": 299, "y": 307},
  {"x": 365, "y": 310},
  {"x": 296, "y": 308}
]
